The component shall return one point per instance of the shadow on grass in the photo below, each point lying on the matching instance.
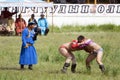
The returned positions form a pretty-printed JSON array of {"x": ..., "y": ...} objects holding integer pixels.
[
  {"x": 59, "y": 72},
  {"x": 9, "y": 68}
]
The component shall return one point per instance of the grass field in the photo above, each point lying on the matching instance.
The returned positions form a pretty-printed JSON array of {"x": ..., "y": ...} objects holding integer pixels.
[{"x": 50, "y": 61}]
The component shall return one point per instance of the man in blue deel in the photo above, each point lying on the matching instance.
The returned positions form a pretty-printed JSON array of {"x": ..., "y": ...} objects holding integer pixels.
[{"x": 28, "y": 55}]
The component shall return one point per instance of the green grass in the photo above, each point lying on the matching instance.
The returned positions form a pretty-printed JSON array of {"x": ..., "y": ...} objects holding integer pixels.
[
  {"x": 50, "y": 61},
  {"x": 87, "y": 28}
]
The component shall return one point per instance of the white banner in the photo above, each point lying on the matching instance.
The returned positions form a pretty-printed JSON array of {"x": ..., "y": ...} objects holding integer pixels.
[
  {"x": 87, "y": 10},
  {"x": 74, "y": 14},
  {"x": 72, "y": 10}
]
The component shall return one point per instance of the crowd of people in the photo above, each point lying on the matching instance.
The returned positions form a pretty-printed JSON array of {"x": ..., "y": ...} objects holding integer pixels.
[
  {"x": 9, "y": 26},
  {"x": 85, "y": 1},
  {"x": 7, "y": 22}
]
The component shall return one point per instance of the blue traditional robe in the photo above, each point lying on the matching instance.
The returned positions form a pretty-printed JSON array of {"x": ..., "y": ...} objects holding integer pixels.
[
  {"x": 28, "y": 55},
  {"x": 43, "y": 24}
]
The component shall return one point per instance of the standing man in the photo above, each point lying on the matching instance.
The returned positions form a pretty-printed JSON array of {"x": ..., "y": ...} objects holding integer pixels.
[
  {"x": 28, "y": 55},
  {"x": 43, "y": 25},
  {"x": 6, "y": 13}
]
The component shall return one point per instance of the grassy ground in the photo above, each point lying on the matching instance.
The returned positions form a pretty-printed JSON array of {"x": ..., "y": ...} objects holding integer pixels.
[{"x": 50, "y": 61}]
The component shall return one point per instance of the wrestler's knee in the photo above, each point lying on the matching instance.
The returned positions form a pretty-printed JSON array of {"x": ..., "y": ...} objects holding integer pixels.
[
  {"x": 74, "y": 60},
  {"x": 69, "y": 57},
  {"x": 99, "y": 61},
  {"x": 68, "y": 60}
]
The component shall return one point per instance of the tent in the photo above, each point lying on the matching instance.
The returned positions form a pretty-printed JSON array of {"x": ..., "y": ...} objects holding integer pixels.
[{"x": 25, "y": 3}]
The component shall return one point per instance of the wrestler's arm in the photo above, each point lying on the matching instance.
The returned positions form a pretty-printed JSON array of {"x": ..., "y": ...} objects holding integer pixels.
[
  {"x": 84, "y": 42},
  {"x": 74, "y": 44}
]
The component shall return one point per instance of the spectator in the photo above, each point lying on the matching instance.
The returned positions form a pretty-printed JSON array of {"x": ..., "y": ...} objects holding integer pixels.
[
  {"x": 6, "y": 13},
  {"x": 81, "y": 1},
  {"x": 3, "y": 21},
  {"x": 43, "y": 25},
  {"x": 3, "y": 25},
  {"x": 11, "y": 25},
  {"x": 118, "y": 1},
  {"x": 56, "y": 1},
  {"x": 113, "y": 1},
  {"x": 63, "y": 1},
  {"x": 32, "y": 19},
  {"x": 28, "y": 55},
  {"x": 73, "y": 1},
  {"x": 20, "y": 24}
]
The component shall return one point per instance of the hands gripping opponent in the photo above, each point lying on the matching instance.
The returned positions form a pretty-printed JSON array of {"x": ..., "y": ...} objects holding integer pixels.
[{"x": 74, "y": 44}]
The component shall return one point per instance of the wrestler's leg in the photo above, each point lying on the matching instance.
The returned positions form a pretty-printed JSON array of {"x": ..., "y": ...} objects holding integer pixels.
[
  {"x": 66, "y": 54},
  {"x": 89, "y": 59},
  {"x": 73, "y": 66},
  {"x": 99, "y": 57},
  {"x": 99, "y": 60}
]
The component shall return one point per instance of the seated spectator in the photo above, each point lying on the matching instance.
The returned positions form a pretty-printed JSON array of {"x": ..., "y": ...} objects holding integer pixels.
[
  {"x": 3, "y": 25},
  {"x": 11, "y": 25},
  {"x": 74, "y": 1},
  {"x": 60, "y": 1},
  {"x": 113, "y": 1},
  {"x": 43, "y": 25},
  {"x": 32, "y": 19},
  {"x": 56, "y": 1},
  {"x": 3, "y": 21},
  {"x": 63, "y": 1},
  {"x": 81, "y": 1},
  {"x": 118, "y": 1},
  {"x": 20, "y": 24}
]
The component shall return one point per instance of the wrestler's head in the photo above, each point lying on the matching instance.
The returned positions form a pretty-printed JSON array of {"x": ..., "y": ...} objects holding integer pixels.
[{"x": 80, "y": 38}]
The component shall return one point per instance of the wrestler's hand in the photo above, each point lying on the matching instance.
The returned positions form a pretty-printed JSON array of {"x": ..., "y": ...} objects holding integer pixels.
[{"x": 74, "y": 44}]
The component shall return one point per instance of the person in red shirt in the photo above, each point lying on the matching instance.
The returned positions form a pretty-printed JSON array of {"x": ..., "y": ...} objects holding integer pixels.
[
  {"x": 66, "y": 50},
  {"x": 20, "y": 24}
]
